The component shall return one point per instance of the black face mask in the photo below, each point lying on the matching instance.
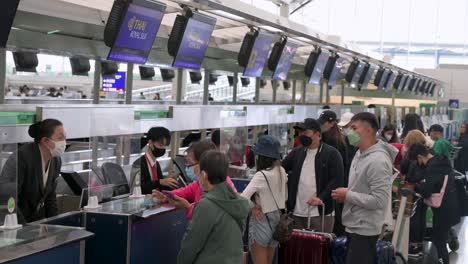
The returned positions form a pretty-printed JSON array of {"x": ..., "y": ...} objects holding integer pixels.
[
  {"x": 305, "y": 140},
  {"x": 157, "y": 152}
]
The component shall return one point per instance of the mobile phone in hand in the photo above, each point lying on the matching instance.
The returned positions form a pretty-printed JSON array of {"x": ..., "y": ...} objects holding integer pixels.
[{"x": 169, "y": 195}]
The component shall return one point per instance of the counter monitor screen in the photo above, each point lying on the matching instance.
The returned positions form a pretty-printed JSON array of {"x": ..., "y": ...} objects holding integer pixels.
[
  {"x": 285, "y": 61},
  {"x": 259, "y": 55},
  {"x": 365, "y": 79},
  {"x": 317, "y": 73},
  {"x": 336, "y": 72},
  {"x": 116, "y": 84},
  {"x": 194, "y": 42},
  {"x": 137, "y": 31},
  {"x": 390, "y": 79},
  {"x": 357, "y": 74}
]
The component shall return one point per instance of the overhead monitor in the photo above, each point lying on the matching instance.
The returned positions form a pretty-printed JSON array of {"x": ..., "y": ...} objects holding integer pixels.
[
  {"x": 189, "y": 39},
  {"x": 281, "y": 58},
  {"x": 254, "y": 52},
  {"x": 398, "y": 81},
  {"x": 132, "y": 28},
  {"x": 412, "y": 84},
  {"x": 367, "y": 75},
  {"x": 7, "y": 15},
  {"x": 317, "y": 73},
  {"x": 356, "y": 74},
  {"x": 390, "y": 79},
  {"x": 335, "y": 73},
  {"x": 114, "y": 84},
  {"x": 405, "y": 82},
  {"x": 383, "y": 78}
]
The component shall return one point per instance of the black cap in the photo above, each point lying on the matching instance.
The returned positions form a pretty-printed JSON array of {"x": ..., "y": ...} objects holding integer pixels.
[
  {"x": 327, "y": 116},
  {"x": 436, "y": 128},
  {"x": 311, "y": 124}
]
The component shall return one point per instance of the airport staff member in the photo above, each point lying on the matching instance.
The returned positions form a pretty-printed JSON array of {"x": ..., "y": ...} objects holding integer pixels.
[
  {"x": 37, "y": 166},
  {"x": 151, "y": 176}
]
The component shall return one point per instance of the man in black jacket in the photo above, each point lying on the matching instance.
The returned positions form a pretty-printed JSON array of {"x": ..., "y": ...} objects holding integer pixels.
[{"x": 314, "y": 170}]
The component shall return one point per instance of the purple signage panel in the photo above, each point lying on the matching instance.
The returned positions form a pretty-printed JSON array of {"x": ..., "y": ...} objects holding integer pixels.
[
  {"x": 335, "y": 74},
  {"x": 259, "y": 55},
  {"x": 136, "y": 35},
  {"x": 193, "y": 45},
  {"x": 282, "y": 69},
  {"x": 114, "y": 84},
  {"x": 317, "y": 73}
]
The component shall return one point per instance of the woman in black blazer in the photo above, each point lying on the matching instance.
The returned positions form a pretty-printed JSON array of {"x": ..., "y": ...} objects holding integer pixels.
[
  {"x": 151, "y": 176},
  {"x": 436, "y": 167},
  {"x": 37, "y": 166}
]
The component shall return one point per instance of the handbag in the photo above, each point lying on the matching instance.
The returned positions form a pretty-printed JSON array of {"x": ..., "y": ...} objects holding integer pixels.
[
  {"x": 436, "y": 198},
  {"x": 283, "y": 231}
]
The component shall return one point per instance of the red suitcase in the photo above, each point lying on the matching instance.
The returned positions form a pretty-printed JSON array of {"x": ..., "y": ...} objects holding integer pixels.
[{"x": 306, "y": 247}]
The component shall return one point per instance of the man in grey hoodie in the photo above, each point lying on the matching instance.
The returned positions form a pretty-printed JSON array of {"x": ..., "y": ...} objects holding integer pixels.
[{"x": 367, "y": 196}]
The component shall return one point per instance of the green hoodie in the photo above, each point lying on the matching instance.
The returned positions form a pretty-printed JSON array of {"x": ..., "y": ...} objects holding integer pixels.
[{"x": 215, "y": 232}]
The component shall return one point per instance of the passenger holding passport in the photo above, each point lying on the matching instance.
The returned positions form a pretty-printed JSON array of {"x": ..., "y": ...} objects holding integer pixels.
[{"x": 187, "y": 197}]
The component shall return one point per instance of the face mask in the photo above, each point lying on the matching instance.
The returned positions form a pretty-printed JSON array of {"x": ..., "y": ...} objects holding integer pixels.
[
  {"x": 354, "y": 138},
  {"x": 191, "y": 173},
  {"x": 59, "y": 148},
  {"x": 305, "y": 140},
  {"x": 345, "y": 131},
  {"x": 388, "y": 137},
  {"x": 157, "y": 152}
]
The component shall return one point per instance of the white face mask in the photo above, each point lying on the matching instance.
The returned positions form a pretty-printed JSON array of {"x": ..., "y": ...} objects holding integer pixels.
[
  {"x": 388, "y": 137},
  {"x": 59, "y": 148}
]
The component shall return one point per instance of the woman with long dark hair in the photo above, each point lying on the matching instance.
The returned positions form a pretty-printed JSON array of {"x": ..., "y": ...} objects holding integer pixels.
[
  {"x": 389, "y": 134},
  {"x": 268, "y": 190},
  {"x": 411, "y": 122}
]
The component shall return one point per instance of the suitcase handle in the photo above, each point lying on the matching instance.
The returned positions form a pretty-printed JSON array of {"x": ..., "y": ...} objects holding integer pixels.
[{"x": 323, "y": 217}]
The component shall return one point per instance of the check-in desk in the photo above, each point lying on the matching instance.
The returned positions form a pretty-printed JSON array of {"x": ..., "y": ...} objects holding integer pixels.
[
  {"x": 127, "y": 232},
  {"x": 34, "y": 244}
]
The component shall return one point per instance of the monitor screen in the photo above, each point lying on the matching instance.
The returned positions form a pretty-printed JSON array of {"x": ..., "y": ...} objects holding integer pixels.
[
  {"x": 368, "y": 77},
  {"x": 317, "y": 73},
  {"x": 390, "y": 79},
  {"x": 357, "y": 74},
  {"x": 115, "y": 84},
  {"x": 383, "y": 79},
  {"x": 259, "y": 55},
  {"x": 285, "y": 61},
  {"x": 335, "y": 74},
  {"x": 194, "y": 43},
  {"x": 137, "y": 33}
]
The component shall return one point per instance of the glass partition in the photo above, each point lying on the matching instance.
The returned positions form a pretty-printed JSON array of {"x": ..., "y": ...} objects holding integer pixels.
[
  {"x": 233, "y": 140},
  {"x": 9, "y": 214},
  {"x": 278, "y": 127},
  {"x": 383, "y": 116},
  {"x": 399, "y": 124}
]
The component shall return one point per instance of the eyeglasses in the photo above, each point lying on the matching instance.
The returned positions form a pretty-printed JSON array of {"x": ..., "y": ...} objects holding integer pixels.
[{"x": 190, "y": 165}]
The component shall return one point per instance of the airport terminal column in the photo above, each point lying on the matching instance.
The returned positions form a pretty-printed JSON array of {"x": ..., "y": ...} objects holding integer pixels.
[
  {"x": 304, "y": 90},
  {"x": 206, "y": 91},
  {"x": 97, "y": 80},
  {"x": 321, "y": 93},
  {"x": 275, "y": 90},
  {"x": 257, "y": 90},
  {"x": 206, "y": 87},
  {"x": 327, "y": 92},
  {"x": 2, "y": 74},
  {"x": 180, "y": 83},
  {"x": 234, "y": 87},
  {"x": 293, "y": 99},
  {"x": 342, "y": 92},
  {"x": 129, "y": 84}
]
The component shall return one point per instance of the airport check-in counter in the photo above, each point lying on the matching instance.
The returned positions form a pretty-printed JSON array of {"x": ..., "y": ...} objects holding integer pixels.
[
  {"x": 128, "y": 230},
  {"x": 43, "y": 244}
]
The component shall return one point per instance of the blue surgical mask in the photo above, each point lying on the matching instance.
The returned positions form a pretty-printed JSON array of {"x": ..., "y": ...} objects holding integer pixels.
[{"x": 191, "y": 173}]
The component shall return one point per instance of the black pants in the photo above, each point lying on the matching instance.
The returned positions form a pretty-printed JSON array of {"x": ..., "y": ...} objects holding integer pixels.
[
  {"x": 361, "y": 249},
  {"x": 439, "y": 239},
  {"x": 418, "y": 223}
]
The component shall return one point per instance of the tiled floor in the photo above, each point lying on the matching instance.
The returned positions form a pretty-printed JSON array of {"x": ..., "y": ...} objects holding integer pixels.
[{"x": 458, "y": 257}]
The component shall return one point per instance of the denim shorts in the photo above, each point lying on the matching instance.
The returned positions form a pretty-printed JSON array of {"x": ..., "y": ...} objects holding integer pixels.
[{"x": 261, "y": 232}]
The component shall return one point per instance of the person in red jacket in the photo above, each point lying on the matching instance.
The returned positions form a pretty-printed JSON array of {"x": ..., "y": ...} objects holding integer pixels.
[{"x": 187, "y": 197}]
